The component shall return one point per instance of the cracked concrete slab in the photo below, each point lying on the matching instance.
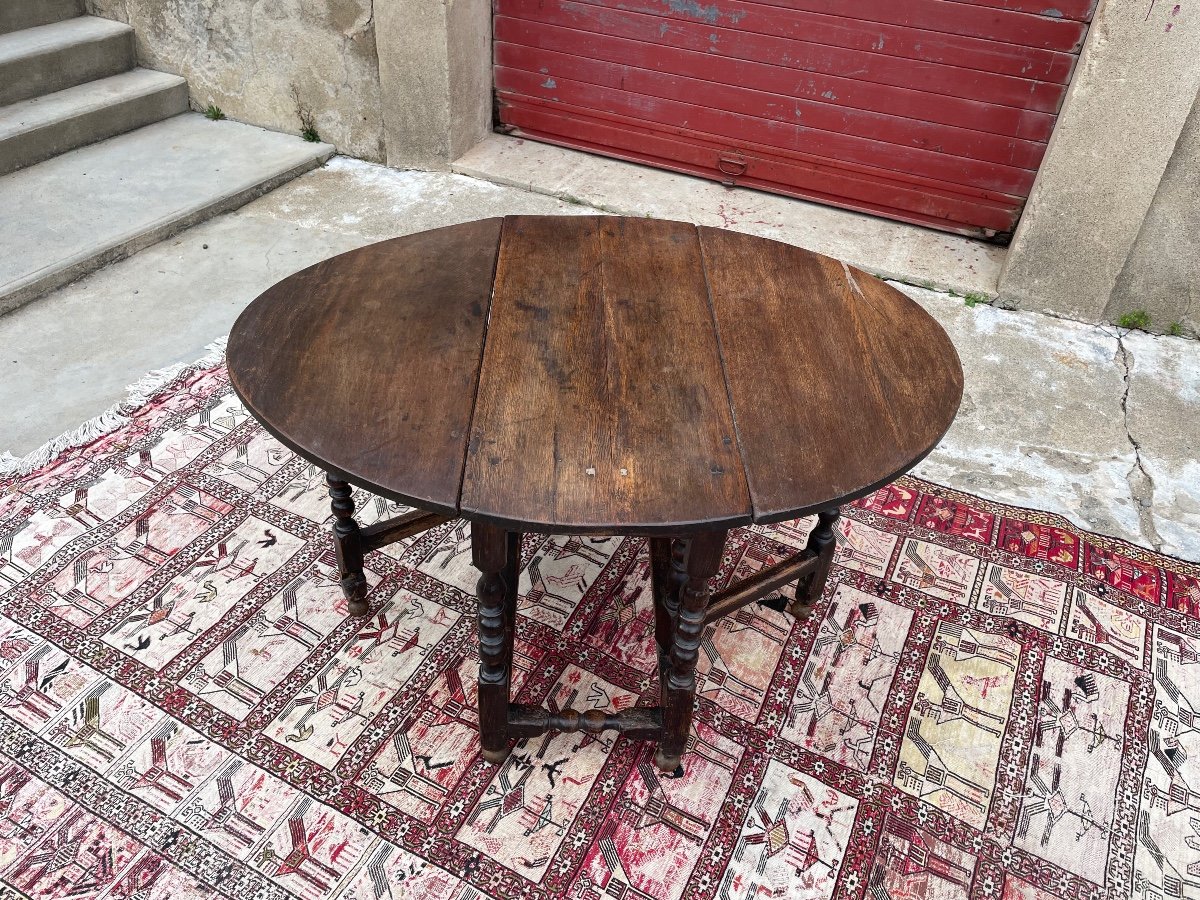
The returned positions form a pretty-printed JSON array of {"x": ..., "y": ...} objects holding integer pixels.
[
  {"x": 1057, "y": 415},
  {"x": 1141, "y": 484},
  {"x": 1163, "y": 419},
  {"x": 1041, "y": 422}
]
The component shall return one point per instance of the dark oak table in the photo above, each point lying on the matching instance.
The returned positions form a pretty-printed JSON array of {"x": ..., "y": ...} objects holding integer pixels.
[{"x": 596, "y": 375}]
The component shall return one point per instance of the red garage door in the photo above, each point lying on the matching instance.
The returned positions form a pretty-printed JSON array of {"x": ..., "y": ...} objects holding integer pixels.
[{"x": 930, "y": 111}]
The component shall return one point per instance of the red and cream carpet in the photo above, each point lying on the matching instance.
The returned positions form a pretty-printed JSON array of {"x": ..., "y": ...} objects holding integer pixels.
[{"x": 988, "y": 704}]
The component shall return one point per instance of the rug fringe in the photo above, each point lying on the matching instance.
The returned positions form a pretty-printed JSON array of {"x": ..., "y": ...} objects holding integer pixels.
[{"x": 137, "y": 395}]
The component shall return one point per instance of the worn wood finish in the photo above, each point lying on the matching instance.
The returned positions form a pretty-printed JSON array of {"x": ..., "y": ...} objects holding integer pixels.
[
  {"x": 665, "y": 601},
  {"x": 637, "y": 377},
  {"x": 490, "y": 553},
  {"x": 819, "y": 551},
  {"x": 678, "y": 576},
  {"x": 759, "y": 585},
  {"x": 348, "y": 546},
  {"x": 602, "y": 403},
  {"x": 367, "y": 363},
  {"x": 862, "y": 382},
  {"x": 512, "y": 579},
  {"x": 677, "y": 674},
  {"x": 596, "y": 375},
  {"x": 351, "y": 542}
]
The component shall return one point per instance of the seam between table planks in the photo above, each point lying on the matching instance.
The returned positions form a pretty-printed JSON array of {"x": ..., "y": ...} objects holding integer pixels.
[
  {"x": 487, "y": 321},
  {"x": 712, "y": 314}
]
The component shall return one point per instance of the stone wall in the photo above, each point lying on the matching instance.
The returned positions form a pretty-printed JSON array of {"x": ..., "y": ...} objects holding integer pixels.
[
  {"x": 1106, "y": 183},
  {"x": 266, "y": 63},
  {"x": 436, "y": 74},
  {"x": 1162, "y": 273}
]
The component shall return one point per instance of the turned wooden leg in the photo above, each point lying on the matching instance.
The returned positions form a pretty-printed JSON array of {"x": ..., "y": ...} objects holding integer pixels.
[
  {"x": 492, "y": 550},
  {"x": 822, "y": 546},
  {"x": 702, "y": 557},
  {"x": 347, "y": 543}
]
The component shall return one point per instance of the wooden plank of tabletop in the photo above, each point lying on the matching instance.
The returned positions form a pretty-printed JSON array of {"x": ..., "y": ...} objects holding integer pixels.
[
  {"x": 602, "y": 402},
  {"x": 839, "y": 382},
  {"x": 367, "y": 363}
]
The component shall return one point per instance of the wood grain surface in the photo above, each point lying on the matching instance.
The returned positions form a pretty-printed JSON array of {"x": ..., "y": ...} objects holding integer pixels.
[
  {"x": 602, "y": 401},
  {"x": 367, "y": 363},
  {"x": 839, "y": 383},
  {"x": 586, "y": 374}
]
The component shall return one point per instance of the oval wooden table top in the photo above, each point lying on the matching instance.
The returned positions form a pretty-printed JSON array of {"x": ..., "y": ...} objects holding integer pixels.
[{"x": 596, "y": 374}]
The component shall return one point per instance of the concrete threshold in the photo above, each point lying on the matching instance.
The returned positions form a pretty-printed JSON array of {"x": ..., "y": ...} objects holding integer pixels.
[{"x": 893, "y": 250}]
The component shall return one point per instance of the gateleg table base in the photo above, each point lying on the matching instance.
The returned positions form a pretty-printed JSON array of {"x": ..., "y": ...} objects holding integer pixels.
[{"x": 680, "y": 571}]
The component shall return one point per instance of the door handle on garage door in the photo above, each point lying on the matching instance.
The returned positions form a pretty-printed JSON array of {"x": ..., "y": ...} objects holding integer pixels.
[{"x": 732, "y": 164}]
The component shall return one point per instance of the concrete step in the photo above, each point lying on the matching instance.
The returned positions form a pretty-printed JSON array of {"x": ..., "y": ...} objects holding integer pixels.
[
  {"x": 74, "y": 213},
  {"x": 49, "y": 58},
  {"x": 18, "y": 14},
  {"x": 42, "y": 127}
]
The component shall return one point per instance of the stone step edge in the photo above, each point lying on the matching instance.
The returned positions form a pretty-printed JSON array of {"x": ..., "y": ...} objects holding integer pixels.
[
  {"x": 89, "y": 101},
  {"x": 17, "y": 293}
]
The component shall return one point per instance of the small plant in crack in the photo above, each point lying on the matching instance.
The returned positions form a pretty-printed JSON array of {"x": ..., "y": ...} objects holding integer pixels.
[
  {"x": 308, "y": 121},
  {"x": 973, "y": 300},
  {"x": 1137, "y": 318},
  {"x": 212, "y": 111},
  {"x": 1176, "y": 330}
]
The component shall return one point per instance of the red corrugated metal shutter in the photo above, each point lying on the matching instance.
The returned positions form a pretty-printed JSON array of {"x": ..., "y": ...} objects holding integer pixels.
[{"x": 930, "y": 111}]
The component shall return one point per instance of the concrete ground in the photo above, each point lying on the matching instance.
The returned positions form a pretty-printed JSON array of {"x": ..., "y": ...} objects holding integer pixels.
[
  {"x": 882, "y": 247},
  {"x": 1090, "y": 422},
  {"x": 106, "y": 201}
]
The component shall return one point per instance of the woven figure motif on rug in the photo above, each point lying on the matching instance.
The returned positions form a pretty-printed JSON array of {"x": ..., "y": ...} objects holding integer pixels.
[{"x": 987, "y": 703}]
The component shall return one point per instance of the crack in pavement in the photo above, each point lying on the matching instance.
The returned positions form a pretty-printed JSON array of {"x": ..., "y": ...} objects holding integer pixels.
[{"x": 1141, "y": 483}]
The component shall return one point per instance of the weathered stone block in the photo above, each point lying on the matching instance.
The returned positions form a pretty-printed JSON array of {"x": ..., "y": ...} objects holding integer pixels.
[{"x": 267, "y": 62}]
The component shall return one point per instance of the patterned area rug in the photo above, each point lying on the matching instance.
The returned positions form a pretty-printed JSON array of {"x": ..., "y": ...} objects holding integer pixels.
[{"x": 988, "y": 703}]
